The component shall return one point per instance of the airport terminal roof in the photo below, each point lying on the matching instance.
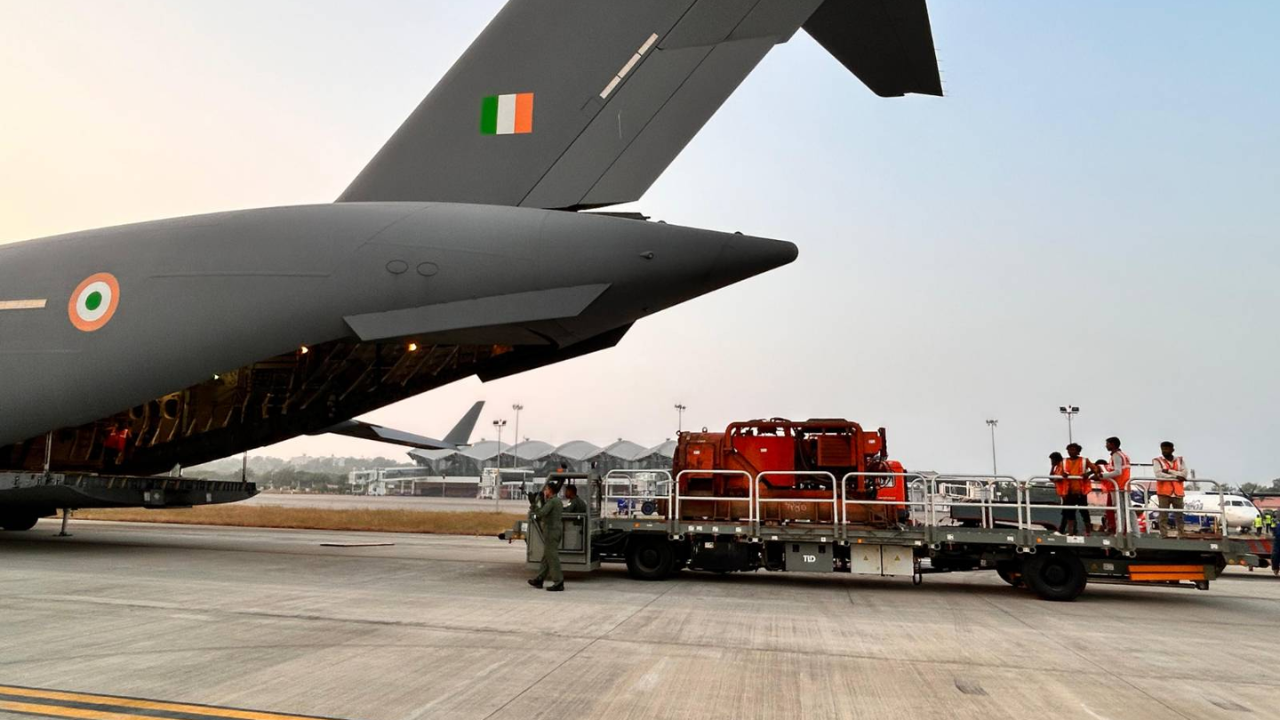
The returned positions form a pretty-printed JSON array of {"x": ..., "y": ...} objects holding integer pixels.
[
  {"x": 577, "y": 450},
  {"x": 534, "y": 450},
  {"x": 626, "y": 450},
  {"x": 666, "y": 449}
]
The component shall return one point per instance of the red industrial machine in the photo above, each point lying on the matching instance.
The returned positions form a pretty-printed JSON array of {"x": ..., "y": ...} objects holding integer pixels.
[{"x": 797, "y": 467}]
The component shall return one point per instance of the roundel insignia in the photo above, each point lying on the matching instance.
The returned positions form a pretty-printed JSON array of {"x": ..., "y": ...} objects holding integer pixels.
[{"x": 94, "y": 302}]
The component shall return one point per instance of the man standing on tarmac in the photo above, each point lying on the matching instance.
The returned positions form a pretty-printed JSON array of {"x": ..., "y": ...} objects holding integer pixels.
[
  {"x": 1073, "y": 486},
  {"x": 548, "y": 512},
  {"x": 1171, "y": 473},
  {"x": 1275, "y": 547},
  {"x": 1116, "y": 477}
]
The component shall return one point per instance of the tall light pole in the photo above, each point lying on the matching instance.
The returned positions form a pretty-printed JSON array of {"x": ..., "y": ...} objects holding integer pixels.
[
  {"x": 680, "y": 408},
  {"x": 1070, "y": 411},
  {"x": 497, "y": 481},
  {"x": 992, "y": 424},
  {"x": 517, "y": 407}
]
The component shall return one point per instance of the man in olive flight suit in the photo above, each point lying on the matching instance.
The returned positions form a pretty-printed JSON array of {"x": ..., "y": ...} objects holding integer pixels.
[
  {"x": 576, "y": 504},
  {"x": 547, "y": 513}
]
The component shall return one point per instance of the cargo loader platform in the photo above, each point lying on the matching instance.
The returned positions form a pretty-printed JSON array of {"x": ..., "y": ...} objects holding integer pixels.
[{"x": 649, "y": 526}]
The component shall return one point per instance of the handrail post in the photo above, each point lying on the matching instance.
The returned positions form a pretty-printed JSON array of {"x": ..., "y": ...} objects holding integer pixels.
[{"x": 835, "y": 509}]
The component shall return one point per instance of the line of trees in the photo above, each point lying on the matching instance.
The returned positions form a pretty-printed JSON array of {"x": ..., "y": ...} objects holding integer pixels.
[
  {"x": 301, "y": 474},
  {"x": 1251, "y": 488}
]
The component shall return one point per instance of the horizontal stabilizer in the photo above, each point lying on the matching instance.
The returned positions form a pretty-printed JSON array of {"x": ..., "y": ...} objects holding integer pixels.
[
  {"x": 378, "y": 433},
  {"x": 459, "y": 436},
  {"x": 572, "y": 104},
  {"x": 888, "y": 44},
  {"x": 488, "y": 311}
]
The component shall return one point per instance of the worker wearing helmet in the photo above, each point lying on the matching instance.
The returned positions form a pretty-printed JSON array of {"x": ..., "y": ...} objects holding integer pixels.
[
  {"x": 548, "y": 512},
  {"x": 1072, "y": 480},
  {"x": 1171, "y": 473}
]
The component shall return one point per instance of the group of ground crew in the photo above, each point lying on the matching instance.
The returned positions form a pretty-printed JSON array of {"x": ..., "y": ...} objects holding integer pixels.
[
  {"x": 1074, "y": 477},
  {"x": 1265, "y": 523}
]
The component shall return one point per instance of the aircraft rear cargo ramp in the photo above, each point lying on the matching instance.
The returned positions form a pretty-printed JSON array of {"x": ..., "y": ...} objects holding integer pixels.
[{"x": 29, "y": 496}]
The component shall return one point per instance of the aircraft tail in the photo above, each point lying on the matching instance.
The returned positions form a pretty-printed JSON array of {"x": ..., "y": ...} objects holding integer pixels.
[
  {"x": 572, "y": 104},
  {"x": 461, "y": 433}
]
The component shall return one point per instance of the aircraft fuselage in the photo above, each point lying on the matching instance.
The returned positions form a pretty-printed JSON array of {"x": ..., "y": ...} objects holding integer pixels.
[{"x": 214, "y": 334}]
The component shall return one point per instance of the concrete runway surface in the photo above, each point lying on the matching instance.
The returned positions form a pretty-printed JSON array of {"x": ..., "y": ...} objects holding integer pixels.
[{"x": 183, "y": 622}]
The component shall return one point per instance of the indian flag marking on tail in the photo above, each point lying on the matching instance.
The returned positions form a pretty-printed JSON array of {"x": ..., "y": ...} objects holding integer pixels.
[
  {"x": 94, "y": 302},
  {"x": 507, "y": 114}
]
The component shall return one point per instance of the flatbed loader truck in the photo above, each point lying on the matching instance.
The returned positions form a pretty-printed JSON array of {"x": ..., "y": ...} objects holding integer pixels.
[{"x": 819, "y": 497}]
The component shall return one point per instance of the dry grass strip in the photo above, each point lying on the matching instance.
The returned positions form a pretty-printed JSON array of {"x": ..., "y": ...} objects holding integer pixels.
[{"x": 401, "y": 521}]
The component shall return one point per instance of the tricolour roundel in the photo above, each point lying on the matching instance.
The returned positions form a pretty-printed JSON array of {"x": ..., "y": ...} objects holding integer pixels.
[{"x": 94, "y": 302}]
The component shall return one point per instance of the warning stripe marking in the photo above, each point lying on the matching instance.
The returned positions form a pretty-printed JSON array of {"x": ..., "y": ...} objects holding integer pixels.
[
  {"x": 23, "y": 304},
  {"x": 66, "y": 712},
  {"x": 630, "y": 65},
  {"x": 1164, "y": 577},
  {"x": 58, "y": 703}
]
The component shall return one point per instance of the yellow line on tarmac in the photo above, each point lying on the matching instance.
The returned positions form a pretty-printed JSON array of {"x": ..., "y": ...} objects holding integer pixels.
[
  {"x": 66, "y": 712},
  {"x": 137, "y": 704}
]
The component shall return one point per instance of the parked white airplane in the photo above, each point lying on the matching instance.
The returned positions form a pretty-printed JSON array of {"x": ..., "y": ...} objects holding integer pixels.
[{"x": 1239, "y": 510}]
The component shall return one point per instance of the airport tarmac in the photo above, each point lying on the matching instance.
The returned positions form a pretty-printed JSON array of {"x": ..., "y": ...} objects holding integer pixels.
[
  {"x": 445, "y": 627},
  {"x": 385, "y": 502}
]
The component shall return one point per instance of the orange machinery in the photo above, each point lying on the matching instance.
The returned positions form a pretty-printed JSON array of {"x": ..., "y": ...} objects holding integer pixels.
[{"x": 837, "y": 447}]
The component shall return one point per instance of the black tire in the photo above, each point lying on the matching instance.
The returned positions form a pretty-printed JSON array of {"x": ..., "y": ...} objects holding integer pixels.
[
  {"x": 650, "y": 558},
  {"x": 18, "y": 523},
  {"x": 1055, "y": 576},
  {"x": 1011, "y": 572}
]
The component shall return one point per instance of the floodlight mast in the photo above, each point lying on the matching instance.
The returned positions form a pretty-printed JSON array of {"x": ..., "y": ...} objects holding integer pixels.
[{"x": 1070, "y": 411}]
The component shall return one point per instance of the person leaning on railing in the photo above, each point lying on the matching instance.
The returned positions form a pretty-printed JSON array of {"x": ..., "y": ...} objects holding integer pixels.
[
  {"x": 1115, "y": 476},
  {"x": 1171, "y": 473}
]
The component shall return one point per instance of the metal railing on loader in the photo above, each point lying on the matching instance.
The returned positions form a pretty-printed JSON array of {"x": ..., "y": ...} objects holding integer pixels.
[{"x": 1001, "y": 505}]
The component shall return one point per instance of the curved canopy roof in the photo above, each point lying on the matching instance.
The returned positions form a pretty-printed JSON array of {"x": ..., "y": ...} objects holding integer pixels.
[
  {"x": 666, "y": 449},
  {"x": 532, "y": 450},
  {"x": 535, "y": 450},
  {"x": 625, "y": 450},
  {"x": 577, "y": 450}
]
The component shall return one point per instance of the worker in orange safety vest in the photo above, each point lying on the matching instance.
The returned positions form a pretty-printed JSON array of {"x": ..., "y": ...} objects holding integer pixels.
[
  {"x": 1072, "y": 480},
  {"x": 1115, "y": 477},
  {"x": 116, "y": 443},
  {"x": 1171, "y": 473}
]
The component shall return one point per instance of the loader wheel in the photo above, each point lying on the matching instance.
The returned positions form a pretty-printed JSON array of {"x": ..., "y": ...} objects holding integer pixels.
[
  {"x": 18, "y": 523},
  {"x": 1054, "y": 576},
  {"x": 650, "y": 559},
  {"x": 1010, "y": 572}
]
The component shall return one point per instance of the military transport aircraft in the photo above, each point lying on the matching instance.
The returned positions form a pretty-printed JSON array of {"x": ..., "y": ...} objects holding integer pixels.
[{"x": 461, "y": 249}]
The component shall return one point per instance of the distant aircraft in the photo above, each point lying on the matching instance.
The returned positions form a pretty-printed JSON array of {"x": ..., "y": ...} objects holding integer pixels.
[
  {"x": 458, "y": 437},
  {"x": 1239, "y": 510},
  {"x": 458, "y": 251}
]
